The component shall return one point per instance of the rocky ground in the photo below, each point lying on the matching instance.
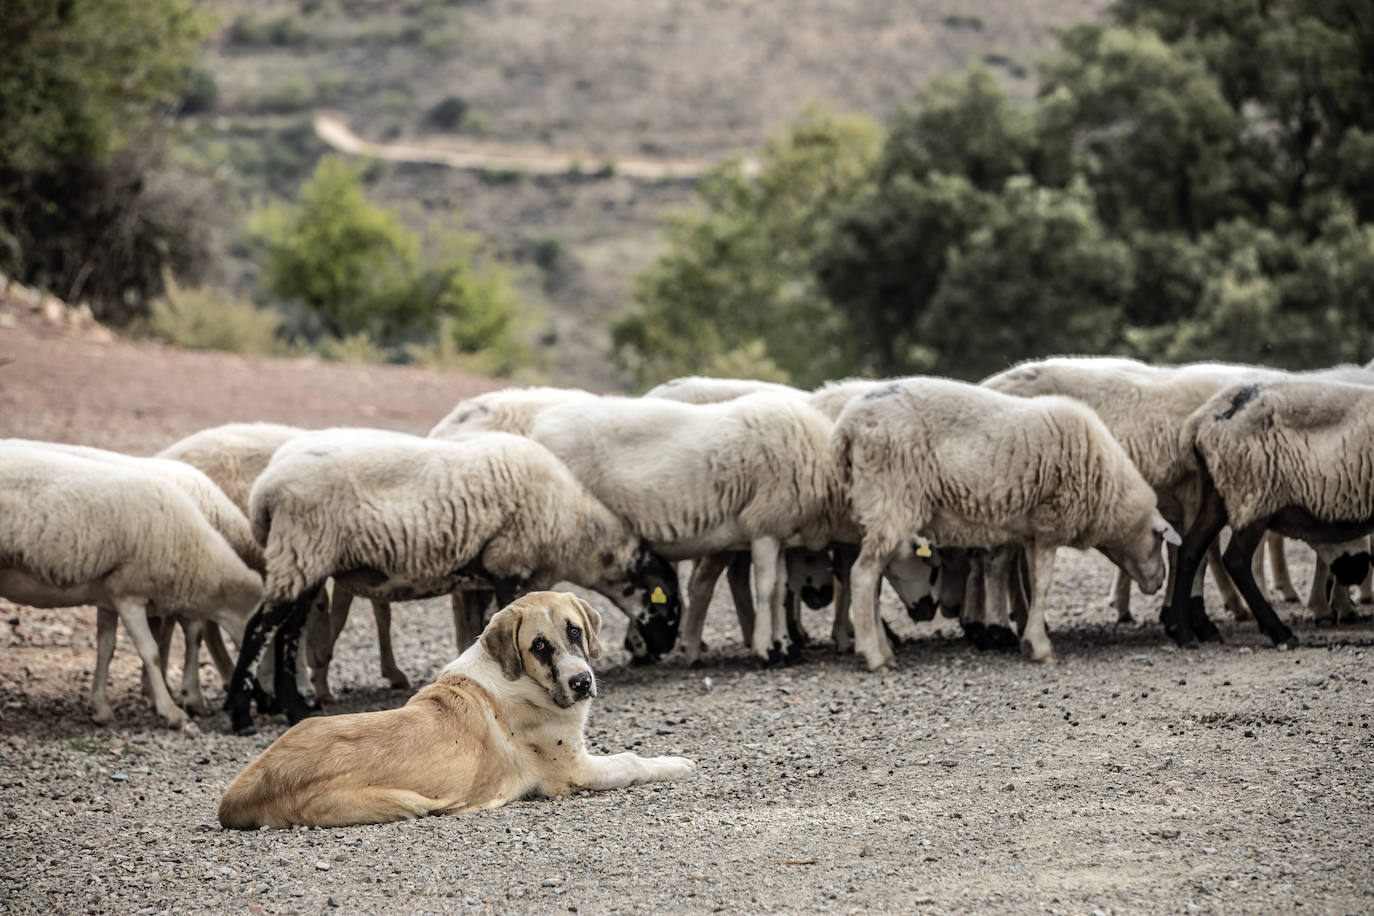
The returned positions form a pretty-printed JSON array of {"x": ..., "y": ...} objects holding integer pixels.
[{"x": 1129, "y": 777}]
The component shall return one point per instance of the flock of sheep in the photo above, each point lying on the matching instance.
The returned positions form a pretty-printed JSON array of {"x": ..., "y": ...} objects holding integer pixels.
[{"x": 958, "y": 494}]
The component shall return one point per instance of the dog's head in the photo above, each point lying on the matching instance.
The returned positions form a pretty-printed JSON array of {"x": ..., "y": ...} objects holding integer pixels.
[{"x": 551, "y": 638}]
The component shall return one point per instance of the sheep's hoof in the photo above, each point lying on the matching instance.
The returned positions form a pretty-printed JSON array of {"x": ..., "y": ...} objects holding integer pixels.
[
  {"x": 1355, "y": 618},
  {"x": 794, "y": 655},
  {"x": 1289, "y": 595},
  {"x": 397, "y": 681},
  {"x": 245, "y": 729},
  {"x": 1125, "y": 617},
  {"x": 696, "y": 664},
  {"x": 196, "y": 707},
  {"x": 973, "y": 631},
  {"x": 103, "y": 716},
  {"x": 881, "y": 668},
  {"x": 297, "y": 713},
  {"x": 775, "y": 657},
  {"x": 1004, "y": 638},
  {"x": 177, "y": 722},
  {"x": 641, "y": 661},
  {"x": 1040, "y": 658},
  {"x": 1327, "y": 620}
]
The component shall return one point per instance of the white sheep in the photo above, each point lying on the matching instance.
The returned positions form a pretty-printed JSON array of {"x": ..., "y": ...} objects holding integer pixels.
[
  {"x": 506, "y": 410},
  {"x": 225, "y": 518},
  {"x": 701, "y": 389},
  {"x": 694, "y": 480},
  {"x": 397, "y": 517},
  {"x": 77, "y": 531},
  {"x": 234, "y": 456},
  {"x": 913, "y": 578},
  {"x": 965, "y": 466},
  {"x": 1291, "y": 456}
]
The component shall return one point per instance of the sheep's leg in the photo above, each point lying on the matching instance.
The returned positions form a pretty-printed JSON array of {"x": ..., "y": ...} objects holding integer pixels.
[
  {"x": 266, "y": 621},
  {"x": 1367, "y": 586},
  {"x": 841, "y": 629},
  {"x": 161, "y": 628},
  {"x": 738, "y": 578},
  {"x": 770, "y": 627},
  {"x": 1243, "y": 545},
  {"x": 954, "y": 574},
  {"x": 975, "y": 600},
  {"x": 996, "y": 581},
  {"x": 1121, "y": 596},
  {"x": 191, "y": 697},
  {"x": 1281, "y": 577},
  {"x": 106, "y": 629},
  {"x": 1319, "y": 598},
  {"x": 133, "y": 613},
  {"x": 468, "y": 608},
  {"x": 289, "y": 697},
  {"x": 795, "y": 631},
  {"x": 1179, "y": 613},
  {"x": 324, "y": 623},
  {"x": 381, "y": 613},
  {"x": 214, "y": 641},
  {"x": 1230, "y": 597},
  {"x": 1036, "y": 642},
  {"x": 865, "y": 578},
  {"x": 700, "y": 586}
]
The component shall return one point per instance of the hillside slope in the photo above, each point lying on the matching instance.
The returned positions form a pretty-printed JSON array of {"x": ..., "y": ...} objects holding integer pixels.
[{"x": 595, "y": 81}]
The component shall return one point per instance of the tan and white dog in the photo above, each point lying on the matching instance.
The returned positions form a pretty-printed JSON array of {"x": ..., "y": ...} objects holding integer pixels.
[{"x": 503, "y": 721}]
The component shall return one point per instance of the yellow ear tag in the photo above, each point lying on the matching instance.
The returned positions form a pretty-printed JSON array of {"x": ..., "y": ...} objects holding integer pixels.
[
  {"x": 657, "y": 596},
  {"x": 923, "y": 550}
]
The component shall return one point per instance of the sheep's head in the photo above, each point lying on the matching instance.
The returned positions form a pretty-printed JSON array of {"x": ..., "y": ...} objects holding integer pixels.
[
  {"x": 811, "y": 575},
  {"x": 914, "y": 578},
  {"x": 1141, "y": 551},
  {"x": 645, "y": 588}
]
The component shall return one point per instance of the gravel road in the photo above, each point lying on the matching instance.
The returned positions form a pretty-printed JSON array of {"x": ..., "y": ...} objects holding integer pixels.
[{"x": 1129, "y": 777}]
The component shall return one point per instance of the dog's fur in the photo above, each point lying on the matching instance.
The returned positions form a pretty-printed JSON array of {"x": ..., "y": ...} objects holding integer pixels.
[{"x": 502, "y": 722}]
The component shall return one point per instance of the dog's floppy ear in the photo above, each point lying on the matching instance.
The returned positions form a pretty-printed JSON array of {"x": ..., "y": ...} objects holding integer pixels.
[
  {"x": 499, "y": 641},
  {"x": 591, "y": 625}
]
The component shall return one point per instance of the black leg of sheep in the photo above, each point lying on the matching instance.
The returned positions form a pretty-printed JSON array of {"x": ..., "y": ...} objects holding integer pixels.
[
  {"x": 1237, "y": 558},
  {"x": 266, "y": 621},
  {"x": 1182, "y": 619}
]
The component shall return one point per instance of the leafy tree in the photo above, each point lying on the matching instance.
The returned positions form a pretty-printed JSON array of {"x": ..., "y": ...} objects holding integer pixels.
[
  {"x": 1038, "y": 275},
  {"x": 85, "y": 208},
  {"x": 358, "y": 268},
  {"x": 734, "y": 272}
]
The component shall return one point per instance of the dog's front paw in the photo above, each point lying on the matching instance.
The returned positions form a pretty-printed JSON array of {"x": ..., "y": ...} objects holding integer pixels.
[{"x": 675, "y": 767}]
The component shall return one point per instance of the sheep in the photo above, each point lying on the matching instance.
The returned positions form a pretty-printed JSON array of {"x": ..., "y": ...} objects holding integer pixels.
[
  {"x": 233, "y": 456},
  {"x": 913, "y": 578},
  {"x": 696, "y": 480},
  {"x": 965, "y": 466},
  {"x": 1292, "y": 456},
  {"x": 224, "y": 517},
  {"x": 79, "y": 531},
  {"x": 1145, "y": 407},
  {"x": 397, "y": 517},
  {"x": 508, "y": 410},
  {"x": 699, "y": 389}
]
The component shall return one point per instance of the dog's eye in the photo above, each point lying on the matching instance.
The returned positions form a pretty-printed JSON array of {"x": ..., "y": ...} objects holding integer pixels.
[
  {"x": 539, "y": 645},
  {"x": 574, "y": 633}
]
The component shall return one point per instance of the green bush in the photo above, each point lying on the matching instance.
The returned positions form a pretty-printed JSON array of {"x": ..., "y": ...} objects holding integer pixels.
[
  {"x": 360, "y": 271},
  {"x": 204, "y": 318},
  {"x": 351, "y": 348},
  {"x": 284, "y": 31},
  {"x": 448, "y": 113}
]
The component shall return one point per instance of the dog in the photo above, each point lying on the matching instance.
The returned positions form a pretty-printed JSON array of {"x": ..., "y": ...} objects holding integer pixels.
[{"x": 504, "y": 721}]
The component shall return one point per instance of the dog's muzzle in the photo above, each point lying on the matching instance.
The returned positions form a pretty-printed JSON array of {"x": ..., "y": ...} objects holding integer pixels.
[{"x": 581, "y": 685}]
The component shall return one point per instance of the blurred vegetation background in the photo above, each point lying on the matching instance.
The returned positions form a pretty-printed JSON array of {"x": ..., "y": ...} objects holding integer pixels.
[{"x": 1167, "y": 180}]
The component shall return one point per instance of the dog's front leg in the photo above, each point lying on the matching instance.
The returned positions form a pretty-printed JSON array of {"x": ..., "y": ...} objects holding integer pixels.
[{"x": 620, "y": 770}]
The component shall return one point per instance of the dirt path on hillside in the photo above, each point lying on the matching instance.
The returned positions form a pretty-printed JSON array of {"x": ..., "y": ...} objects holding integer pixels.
[{"x": 465, "y": 153}]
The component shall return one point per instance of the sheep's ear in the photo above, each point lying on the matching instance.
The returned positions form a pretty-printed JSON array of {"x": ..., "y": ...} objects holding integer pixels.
[
  {"x": 1166, "y": 531},
  {"x": 591, "y": 625},
  {"x": 499, "y": 641}
]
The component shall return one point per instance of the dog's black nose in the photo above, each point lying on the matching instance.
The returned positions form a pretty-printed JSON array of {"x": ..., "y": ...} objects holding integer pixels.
[{"x": 581, "y": 684}]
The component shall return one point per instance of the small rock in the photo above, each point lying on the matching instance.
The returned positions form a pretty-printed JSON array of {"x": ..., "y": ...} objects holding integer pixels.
[
  {"x": 1009, "y": 787},
  {"x": 1168, "y": 833},
  {"x": 332, "y": 901},
  {"x": 322, "y": 865},
  {"x": 866, "y": 852}
]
